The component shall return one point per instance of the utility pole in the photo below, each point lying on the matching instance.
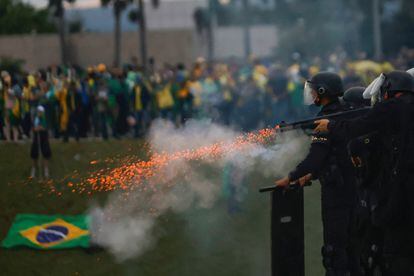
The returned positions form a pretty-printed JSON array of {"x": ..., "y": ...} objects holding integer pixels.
[
  {"x": 62, "y": 39},
  {"x": 59, "y": 14},
  {"x": 142, "y": 29},
  {"x": 377, "y": 29},
  {"x": 210, "y": 30},
  {"x": 118, "y": 6},
  {"x": 246, "y": 29}
]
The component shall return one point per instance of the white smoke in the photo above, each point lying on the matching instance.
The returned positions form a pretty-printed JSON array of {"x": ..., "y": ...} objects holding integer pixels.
[
  {"x": 124, "y": 225},
  {"x": 124, "y": 236},
  {"x": 164, "y": 136}
]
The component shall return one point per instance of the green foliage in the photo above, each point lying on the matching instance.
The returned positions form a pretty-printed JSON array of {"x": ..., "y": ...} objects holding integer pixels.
[
  {"x": 11, "y": 65},
  {"x": 57, "y": 8},
  {"x": 75, "y": 26},
  {"x": 134, "y": 16},
  {"x": 105, "y": 2},
  {"x": 20, "y": 18},
  {"x": 118, "y": 5}
]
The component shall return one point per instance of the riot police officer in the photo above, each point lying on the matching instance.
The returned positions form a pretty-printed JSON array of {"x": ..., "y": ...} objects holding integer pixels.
[
  {"x": 366, "y": 154},
  {"x": 354, "y": 97},
  {"x": 328, "y": 161},
  {"x": 393, "y": 209}
]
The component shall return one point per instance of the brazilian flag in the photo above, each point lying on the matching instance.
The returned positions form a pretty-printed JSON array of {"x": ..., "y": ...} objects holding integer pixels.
[{"x": 48, "y": 232}]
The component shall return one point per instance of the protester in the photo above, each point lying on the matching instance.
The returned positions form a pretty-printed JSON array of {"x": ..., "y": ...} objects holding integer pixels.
[
  {"x": 12, "y": 108},
  {"x": 40, "y": 143}
]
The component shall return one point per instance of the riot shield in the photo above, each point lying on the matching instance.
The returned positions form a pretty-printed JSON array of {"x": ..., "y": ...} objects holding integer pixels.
[{"x": 287, "y": 231}]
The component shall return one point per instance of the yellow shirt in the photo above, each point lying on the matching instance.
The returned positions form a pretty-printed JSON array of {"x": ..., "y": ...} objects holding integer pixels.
[
  {"x": 164, "y": 98},
  {"x": 138, "y": 102}
]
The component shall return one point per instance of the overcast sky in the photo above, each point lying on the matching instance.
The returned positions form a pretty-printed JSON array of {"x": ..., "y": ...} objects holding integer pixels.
[{"x": 78, "y": 4}]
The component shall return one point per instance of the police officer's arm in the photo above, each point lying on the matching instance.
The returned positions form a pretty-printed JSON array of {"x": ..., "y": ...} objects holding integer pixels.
[
  {"x": 370, "y": 122},
  {"x": 316, "y": 158}
]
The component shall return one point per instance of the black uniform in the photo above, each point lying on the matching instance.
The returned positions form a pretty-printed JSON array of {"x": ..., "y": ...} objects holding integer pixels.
[
  {"x": 394, "y": 206},
  {"x": 367, "y": 156},
  {"x": 328, "y": 161}
]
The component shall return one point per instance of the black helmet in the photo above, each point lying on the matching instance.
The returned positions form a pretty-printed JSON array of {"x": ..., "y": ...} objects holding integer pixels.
[
  {"x": 397, "y": 81},
  {"x": 353, "y": 96},
  {"x": 327, "y": 84}
]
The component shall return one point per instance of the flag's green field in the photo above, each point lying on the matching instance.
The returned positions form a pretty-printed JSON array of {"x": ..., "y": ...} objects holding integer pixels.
[{"x": 199, "y": 242}]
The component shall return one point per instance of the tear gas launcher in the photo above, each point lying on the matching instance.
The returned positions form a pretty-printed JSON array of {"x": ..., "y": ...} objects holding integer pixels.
[{"x": 310, "y": 123}]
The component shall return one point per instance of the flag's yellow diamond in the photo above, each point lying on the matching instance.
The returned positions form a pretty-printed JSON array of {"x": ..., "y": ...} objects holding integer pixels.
[{"x": 53, "y": 233}]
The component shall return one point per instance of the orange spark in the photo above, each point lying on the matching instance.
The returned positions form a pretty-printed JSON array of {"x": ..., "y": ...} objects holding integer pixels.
[{"x": 133, "y": 173}]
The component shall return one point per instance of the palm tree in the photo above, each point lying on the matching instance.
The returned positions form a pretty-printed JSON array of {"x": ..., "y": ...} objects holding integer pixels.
[
  {"x": 118, "y": 7},
  {"x": 58, "y": 11},
  {"x": 203, "y": 21},
  {"x": 246, "y": 29},
  {"x": 138, "y": 16}
]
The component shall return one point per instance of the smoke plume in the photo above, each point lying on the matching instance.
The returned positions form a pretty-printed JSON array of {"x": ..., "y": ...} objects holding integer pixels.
[{"x": 124, "y": 225}]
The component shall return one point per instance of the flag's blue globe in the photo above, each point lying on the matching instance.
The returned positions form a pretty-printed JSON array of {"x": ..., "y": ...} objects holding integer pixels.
[{"x": 52, "y": 233}]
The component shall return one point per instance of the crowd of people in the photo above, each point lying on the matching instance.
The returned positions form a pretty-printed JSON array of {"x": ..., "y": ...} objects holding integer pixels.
[{"x": 112, "y": 102}]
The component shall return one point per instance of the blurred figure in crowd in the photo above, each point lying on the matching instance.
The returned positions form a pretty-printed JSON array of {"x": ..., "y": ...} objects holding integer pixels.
[{"x": 40, "y": 144}]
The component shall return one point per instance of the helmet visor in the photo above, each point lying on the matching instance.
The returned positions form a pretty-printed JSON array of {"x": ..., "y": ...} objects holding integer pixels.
[
  {"x": 308, "y": 97},
  {"x": 373, "y": 91}
]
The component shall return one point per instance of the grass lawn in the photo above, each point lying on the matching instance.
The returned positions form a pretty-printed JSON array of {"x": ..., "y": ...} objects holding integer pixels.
[{"x": 198, "y": 242}]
